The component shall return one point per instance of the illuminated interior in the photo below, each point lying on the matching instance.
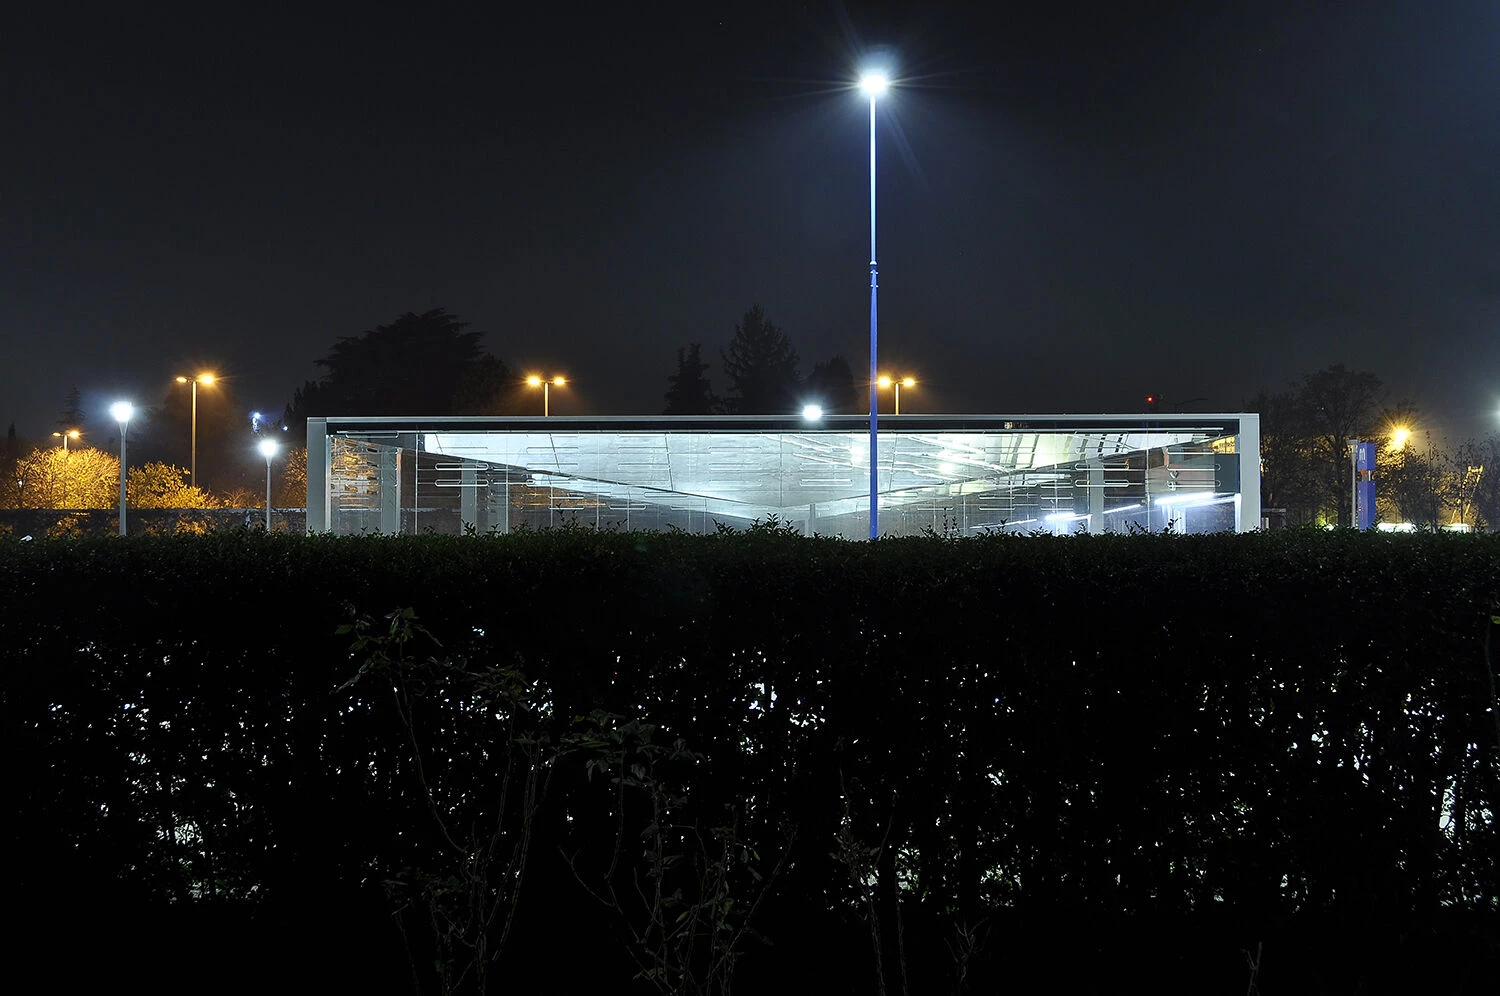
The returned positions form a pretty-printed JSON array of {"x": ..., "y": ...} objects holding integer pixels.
[{"x": 954, "y": 475}]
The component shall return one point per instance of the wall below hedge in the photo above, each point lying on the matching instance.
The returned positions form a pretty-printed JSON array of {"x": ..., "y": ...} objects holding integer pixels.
[{"x": 1073, "y": 743}]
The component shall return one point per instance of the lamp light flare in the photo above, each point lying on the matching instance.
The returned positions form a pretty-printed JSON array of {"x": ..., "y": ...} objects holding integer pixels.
[
  {"x": 874, "y": 85},
  {"x": 812, "y": 412},
  {"x": 122, "y": 411},
  {"x": 268, "y": 448},
  {"x": 546, "y": 384}
]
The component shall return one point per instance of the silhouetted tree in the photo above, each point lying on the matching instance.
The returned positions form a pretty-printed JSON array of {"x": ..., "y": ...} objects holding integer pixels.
[
  {"x": 71, "y": 416},
  {"x": 485, "y": 386},
  {"x": 425, "y": 364},
  {"x": 760, "y": 366},
  {"x": 831, "y": 385},
  {"x": 689, "y": 393},
  {"x": 1335, "y": 405},
  {"x": 1286, "y": 457},
  {"x": 10, "y": 455}
]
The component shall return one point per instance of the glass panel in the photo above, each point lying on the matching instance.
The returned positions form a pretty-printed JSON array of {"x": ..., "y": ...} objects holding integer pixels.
[{"x": 953, "y": 482}]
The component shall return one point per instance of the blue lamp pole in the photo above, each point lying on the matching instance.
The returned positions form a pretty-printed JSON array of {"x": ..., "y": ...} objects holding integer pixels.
[{"x": 873, "y": 85}]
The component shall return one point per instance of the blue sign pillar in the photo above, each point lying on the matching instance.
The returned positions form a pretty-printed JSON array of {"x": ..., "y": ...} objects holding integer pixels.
[{"x": 1364, "y": 485}]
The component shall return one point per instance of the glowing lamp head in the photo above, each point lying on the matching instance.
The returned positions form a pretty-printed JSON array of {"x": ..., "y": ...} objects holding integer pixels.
[
  {"x": 884, "y": 382},
  {"x": 268, "y": 448},
  {"x": 122, "y": 411},
  {"x": 908, "y": 382},
  {"x": 812, "y": 412},
  {"x": 1399, "y": 437},
  {"x": 182, "y": 380},
  {"x": 534, "y": 381},
  {"x": 559, "y": 381},
  {"x": 205, "y": 378},
  {"x": 874, "y": 85}
]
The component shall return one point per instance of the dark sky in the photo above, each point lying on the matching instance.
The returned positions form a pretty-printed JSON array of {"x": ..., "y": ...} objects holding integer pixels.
[{"x": 1078, "y": 203}]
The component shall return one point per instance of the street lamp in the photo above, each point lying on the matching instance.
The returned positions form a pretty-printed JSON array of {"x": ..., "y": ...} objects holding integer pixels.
[
  {"x": 268, "y": 448},
  {"x": 873, "y": 85},
  {"x": 898, "y": 384},
  {"x": 812, "y": 412},
  {"x": 70, "y": 434},
  {"x": 545, "y": 383},
  {"x": 1399, "y": 436},
  {"x": 122, "y": 410},
  {"x": 206, "y": 379}
]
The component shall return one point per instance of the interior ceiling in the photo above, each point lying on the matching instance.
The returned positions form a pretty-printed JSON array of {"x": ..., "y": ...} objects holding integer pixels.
[{"x": 757, "y": 473}]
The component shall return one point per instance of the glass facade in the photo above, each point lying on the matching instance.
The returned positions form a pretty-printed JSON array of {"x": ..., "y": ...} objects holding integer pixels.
[{"x": 954, "y": 475}]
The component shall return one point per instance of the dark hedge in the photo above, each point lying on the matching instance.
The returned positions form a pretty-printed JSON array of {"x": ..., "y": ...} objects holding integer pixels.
[{"x": 1112, "y": 761}]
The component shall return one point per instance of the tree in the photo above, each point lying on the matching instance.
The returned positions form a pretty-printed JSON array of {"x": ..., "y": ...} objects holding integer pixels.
[
  {"x": 689, "y": 393},
  {"x": 71, "y": 416},
  {"x": 425, "y": 364},
  {"x": 292, "y": 493},
  {"x": 10, "y": 454},
  {"x": 761, "y": 368},
  {"x": 485, "y": 386},
  {"x": 1412, "y": 484},
  {"x": 831, "y": 385},
  {"x": 51, "y": 477},
  {"x": 1286, "y": 457},
  {"x": 1337, "y": 405},
  {"x": 161, "y": 485},
  {"x": 1487, "y": 483},
  {"x": 1461, "y": 482}
]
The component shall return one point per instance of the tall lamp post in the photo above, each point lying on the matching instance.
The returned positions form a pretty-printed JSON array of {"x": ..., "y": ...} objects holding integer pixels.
[
  {"x": 268, "y": 448},
  {"x": 898, "y": 383},
  {"x": 873, "y": 85},
  {"x": 70, "y": 434},
  {"x": 206, "y": 379},
  {"x": 122, "y": 410},
  {"x": 545, "y": 383}
]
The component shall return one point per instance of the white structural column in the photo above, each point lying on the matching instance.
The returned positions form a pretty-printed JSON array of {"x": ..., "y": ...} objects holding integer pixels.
[
  {"x": 389, "y": 475},
  {"x": 317, "y": 476},
  {"x": 1247, "y": 509},
  {"x": 468, "y": 498},
  {"x": 1096, "y": 494}
]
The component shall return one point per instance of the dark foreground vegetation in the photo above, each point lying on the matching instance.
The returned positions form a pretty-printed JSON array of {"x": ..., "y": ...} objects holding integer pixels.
[{"x": 582, "y": 762}]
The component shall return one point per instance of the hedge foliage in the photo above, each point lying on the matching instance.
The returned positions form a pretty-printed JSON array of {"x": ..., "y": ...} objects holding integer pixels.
[{"x": 919, "y": 762}]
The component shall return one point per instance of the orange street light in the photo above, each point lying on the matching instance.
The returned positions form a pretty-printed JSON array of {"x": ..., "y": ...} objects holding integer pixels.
[
  {"x": 898, "y": 384},
  {"x": 545, "y": 383},
  {"x": 70, "y": 434},
  {"x": 207, "y": 380}
]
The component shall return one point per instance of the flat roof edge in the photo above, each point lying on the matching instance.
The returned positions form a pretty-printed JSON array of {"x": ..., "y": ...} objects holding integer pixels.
[{"x": 780, "y": 423}]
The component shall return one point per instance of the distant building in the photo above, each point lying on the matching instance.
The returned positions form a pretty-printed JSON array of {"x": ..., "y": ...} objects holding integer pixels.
[{"x": 952, "y": 474}]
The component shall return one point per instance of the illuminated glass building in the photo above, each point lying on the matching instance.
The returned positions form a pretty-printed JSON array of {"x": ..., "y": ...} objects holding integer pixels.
[{"x": 951, "y": 474}]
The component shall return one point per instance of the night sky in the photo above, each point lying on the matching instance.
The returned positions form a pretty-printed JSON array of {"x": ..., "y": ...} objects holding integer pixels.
[{"x": 1078, "y": 204}]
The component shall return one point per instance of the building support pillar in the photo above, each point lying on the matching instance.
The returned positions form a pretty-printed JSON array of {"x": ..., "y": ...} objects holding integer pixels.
[{"x": 389, "y": 464}]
